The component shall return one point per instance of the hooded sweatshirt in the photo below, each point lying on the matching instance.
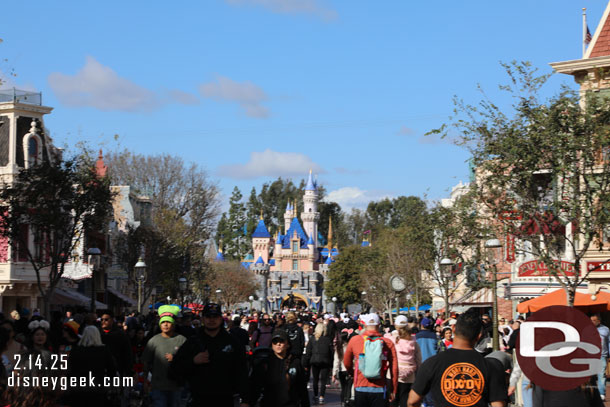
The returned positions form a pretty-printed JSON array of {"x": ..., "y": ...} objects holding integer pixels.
[{"x": 354, "y": 349}]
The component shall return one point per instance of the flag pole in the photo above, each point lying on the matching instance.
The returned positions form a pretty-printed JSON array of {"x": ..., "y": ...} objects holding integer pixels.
[{"x": 584, "y": 30}]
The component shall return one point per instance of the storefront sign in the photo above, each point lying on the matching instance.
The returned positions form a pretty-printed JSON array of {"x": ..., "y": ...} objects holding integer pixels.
[
  {"x": 537, "y": 268},
  {"x": 598, "y": 266},
  {"x": 117, "y": 272}
]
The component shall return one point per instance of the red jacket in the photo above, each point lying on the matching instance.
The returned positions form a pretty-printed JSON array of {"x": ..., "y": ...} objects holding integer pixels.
[{"x": 350, "y": 360}]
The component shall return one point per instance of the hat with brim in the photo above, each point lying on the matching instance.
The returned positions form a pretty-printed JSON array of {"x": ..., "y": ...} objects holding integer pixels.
[
  {"x": 279, "y": 334},
  {"x": 168, "y": 313}
]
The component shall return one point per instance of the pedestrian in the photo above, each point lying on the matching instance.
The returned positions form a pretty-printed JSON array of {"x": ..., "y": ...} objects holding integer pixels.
[
  {"x": 446, "y": 340},
  {"x": 213, "y": 363},
  {"x": 240, "y": 334},
  {"x": 70, "y": 337},
  {"x": 158, "y": 353},
  {"x": 38, "y": 339},
  {"x": 117, "y": 342},
  {"x": 262, "y": 335},
  {"x": 409, "y": 361},
  {"x": 604, "y": 334},
  {"x": 400, "y": 322},
  {"x": 439, "y": 374},
  {"x": 90, "y": 357},
  {"x": 369, "y": 357},
  {"x": 339, "y": 370},
  {"x": 13, "y": 347},
  {"x": 280, "y": 378},
  {"x": 295, "y": 335},
  {"x": 319, "y": 359}
]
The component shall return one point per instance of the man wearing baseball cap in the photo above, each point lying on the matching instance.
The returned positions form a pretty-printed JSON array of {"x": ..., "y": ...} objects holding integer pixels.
[
  {"x": 461, "y": 376},
  {"x": 213, "y": 362},
  {"x": 158, "y": 353},
  {"x": 371, "y": 392}
]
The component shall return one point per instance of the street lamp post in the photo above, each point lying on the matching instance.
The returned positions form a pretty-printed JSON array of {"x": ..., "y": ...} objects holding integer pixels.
[
  {"x": 491, "y": 246},
  {"x": 140, "y": 271},
  {"x": 446, "y": 267},
  {"x": 408, "y": 296},
  {"x": 334, "y": 300},
  {"x": 251, "y": 298},
  {"x": 182, "y": 284},
  {"x": 94, "y": 258}
]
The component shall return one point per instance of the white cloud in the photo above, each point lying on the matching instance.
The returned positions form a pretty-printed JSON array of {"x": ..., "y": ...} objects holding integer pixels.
[
  {"x": 270, "y": 163},
  {"x": 311, "y": 7},
  {"x": 354, "y": 197},
  {"x": 99, "y": 86},
  {"x": 405, "y": 131},
  {"x": 184, "y": 98},
  {"x": 248, "y": 95}
]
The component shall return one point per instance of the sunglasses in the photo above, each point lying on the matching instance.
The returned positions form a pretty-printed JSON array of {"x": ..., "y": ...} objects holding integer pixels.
[{"x": 278, "y": 341}]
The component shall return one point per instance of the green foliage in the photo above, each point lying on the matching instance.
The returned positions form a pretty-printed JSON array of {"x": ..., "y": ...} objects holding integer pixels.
[
  {"x": 544, "y": 163},
  {"x": 346, "y": 273},
  {"x": 58, "y": 203},
  {"x": 185, "y": 209},
  {"x": 233, "y": 228}
]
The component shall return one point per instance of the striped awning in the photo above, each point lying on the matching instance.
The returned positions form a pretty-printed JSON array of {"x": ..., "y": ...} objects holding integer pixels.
[{"x": 482, "y": 297}]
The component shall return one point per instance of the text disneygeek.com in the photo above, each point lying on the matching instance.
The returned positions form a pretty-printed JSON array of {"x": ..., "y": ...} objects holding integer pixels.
[{"x": 64, "y": 382}]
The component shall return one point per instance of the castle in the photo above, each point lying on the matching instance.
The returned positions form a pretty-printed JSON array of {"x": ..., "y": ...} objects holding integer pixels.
[{"x": 291, "y": 268}]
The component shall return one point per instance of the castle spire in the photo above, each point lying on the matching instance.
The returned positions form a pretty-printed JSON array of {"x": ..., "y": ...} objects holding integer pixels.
[
  {"x": 330, "y": 234},
  {"x": 311, "y": 185}
]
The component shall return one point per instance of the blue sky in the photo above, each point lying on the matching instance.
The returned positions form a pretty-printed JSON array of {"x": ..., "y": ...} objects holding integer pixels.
[{"x": 255, "y": 89}]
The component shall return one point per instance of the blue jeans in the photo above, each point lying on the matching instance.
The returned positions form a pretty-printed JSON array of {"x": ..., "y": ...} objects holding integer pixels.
[
  {"x": 527, "y": 393},
  {"x": 165, "y": 398},
  {"x": 601, "y": 376}
]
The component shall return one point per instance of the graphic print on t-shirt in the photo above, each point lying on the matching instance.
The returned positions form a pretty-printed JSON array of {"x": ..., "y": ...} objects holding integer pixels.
[{"x": 462, "y": 384}]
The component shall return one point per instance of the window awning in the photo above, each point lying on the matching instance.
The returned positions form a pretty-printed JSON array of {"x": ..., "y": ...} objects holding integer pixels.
[
  {"x": 121, "y": 296},
  {"x": 482, "y": 297},
  {"x": 68, "y": 296}
]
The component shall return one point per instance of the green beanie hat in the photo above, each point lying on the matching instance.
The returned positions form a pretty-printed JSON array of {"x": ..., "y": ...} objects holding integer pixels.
[{"x": 168, "y": 313}]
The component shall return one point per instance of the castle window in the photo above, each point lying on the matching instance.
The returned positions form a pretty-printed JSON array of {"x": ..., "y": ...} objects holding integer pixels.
[
  {"x": 295, "y": 264},
  {"x": 295, "y": 247},
  {"x": 32, "y": 152},
  {"x": 309, "y": 209}
]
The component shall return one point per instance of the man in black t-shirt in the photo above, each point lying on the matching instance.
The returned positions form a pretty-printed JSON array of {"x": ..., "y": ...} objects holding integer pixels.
[{"x": 460, "y": 376}]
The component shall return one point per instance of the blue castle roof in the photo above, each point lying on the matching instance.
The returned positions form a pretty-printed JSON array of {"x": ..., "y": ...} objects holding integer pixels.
[
  {"x": 294, "y": 226},
  {"x": 261, "y": 230},
  {"x": 365, "y": 243},
  {"x": 260, "y": 260},
  {"x": 310, "y": 241},
  {"x": 329, "y": 260},
  {"x": 219, "y": 256},
  {"x": 311, "y": 185}
]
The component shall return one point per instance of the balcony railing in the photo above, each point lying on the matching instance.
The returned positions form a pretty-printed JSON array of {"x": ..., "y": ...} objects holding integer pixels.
[{"x": 20, "y": 96}]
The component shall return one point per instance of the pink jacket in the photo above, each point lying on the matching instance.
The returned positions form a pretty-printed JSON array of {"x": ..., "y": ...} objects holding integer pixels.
[{"x": 409, "y": 359}]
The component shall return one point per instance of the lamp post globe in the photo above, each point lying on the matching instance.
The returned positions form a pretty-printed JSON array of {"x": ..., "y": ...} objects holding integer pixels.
[{"x": 140, "y": 272}]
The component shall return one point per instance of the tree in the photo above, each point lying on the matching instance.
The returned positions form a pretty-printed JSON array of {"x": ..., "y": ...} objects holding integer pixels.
[
  {"x": 346, "y": 273},
  {"x": 543, "y": 169},
  {"x": 235, "y": 283},
  {"x": 457, "y": 231},
  {"x": 58, "y": 204},
  {"x": 185, "y": 208},
  {"x": 232, "y": 228}
]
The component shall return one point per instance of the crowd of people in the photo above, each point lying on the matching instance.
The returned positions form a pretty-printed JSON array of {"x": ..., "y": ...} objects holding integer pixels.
[{"x": 286, "y": 359}]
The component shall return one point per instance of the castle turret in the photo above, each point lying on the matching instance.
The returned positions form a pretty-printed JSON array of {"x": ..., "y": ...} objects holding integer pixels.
[
  {"x": 288, "y": 217},
  {"x": 261, "y": 241},
  {"x": 310, "y": 214}
]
